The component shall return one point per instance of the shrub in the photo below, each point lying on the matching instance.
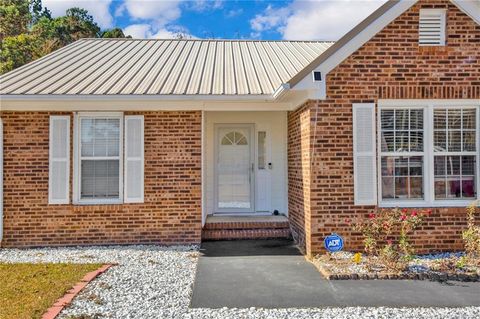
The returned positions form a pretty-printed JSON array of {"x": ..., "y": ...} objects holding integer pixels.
[
  {"x": 471, "y": 236},
  {"x": 386, "y": 234}
]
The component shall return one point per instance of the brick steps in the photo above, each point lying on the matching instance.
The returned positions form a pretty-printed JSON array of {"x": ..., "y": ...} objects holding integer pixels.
[{"x": 251, "y": 229}]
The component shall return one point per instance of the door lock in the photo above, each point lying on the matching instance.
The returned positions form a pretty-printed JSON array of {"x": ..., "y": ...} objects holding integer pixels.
[{"x": 270, "y": 166}]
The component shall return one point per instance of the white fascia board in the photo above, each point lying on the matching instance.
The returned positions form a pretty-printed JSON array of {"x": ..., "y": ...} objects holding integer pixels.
[
  {"x": 354, "y": 44},
  {"x": 365, "y": 35},
  {"x": 470, "y": 8},
  {"x": 140, "y": 105}
]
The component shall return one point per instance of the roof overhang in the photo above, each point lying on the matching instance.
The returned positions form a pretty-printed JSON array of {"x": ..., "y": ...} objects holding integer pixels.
[{"x": 283, "y": 99}]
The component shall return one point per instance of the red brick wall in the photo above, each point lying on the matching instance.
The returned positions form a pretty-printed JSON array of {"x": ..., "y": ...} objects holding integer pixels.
[
  {"x": 299, "y": 174},
  {"x": 390, "y": 66},
  {"x": 170, "y": 214}
]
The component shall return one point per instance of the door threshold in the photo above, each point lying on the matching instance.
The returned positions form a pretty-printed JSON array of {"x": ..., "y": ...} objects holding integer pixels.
[{"x": 241, "y": 214}]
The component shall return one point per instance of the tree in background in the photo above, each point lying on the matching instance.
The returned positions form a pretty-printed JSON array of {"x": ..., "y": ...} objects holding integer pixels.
[
  {"x": 114, "y": 33},
  {"x": 28, "y": 31}
]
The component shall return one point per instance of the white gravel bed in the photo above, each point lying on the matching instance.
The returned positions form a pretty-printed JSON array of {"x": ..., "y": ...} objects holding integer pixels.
[{"x": 156, "y": 282}]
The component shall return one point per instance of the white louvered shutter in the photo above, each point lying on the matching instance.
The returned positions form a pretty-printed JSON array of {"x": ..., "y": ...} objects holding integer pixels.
[
  {"x": 59, "y": 163},
  {"x": 432, "y": 27},
  {"x": 364, "y": 155},
  {"x": 134, "y": 159}
]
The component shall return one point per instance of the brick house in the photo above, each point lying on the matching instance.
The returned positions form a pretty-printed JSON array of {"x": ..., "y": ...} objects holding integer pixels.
[{"x": 168, "y": 141}]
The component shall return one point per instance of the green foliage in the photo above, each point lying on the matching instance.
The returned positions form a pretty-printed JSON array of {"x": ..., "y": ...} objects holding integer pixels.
[
  {"x": 471, "y": 236},
  {"x": 17, "y": 51},
  {"x": 14, "y": 17},
  {"x": 386, "y": 234},
  {"x": 114, "y": 33},
  {"x": 28, "y": 31}
]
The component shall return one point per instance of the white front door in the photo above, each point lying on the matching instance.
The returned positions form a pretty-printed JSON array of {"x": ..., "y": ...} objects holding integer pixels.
[{"x": 234, "y": 169}]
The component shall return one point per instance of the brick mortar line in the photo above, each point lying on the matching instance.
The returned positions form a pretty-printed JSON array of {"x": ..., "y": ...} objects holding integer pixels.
[{"x": 67, "y": 298}]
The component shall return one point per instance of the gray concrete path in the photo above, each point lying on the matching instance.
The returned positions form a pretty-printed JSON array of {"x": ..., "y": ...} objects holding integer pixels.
[{"x": 273, "y": 274}]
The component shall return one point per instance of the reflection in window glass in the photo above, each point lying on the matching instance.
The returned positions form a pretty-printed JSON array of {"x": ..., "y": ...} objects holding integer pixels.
[
  {"x": 402, "y": 177},
  {"x": 262, "y": 150}
]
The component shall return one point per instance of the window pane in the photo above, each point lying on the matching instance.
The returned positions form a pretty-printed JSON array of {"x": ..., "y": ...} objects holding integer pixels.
[
  {"x": 388, "y": 190},
  {"x": 469, "y": 141},
  {"x": 87, "y": 136},
  {"x": 388, "y": 120},
  {"x": 469, "y": 119},
  {"x": 388, "y": 142},
  {"x": 468, "y": 165},
  {"x": 401, "y": 142},
  {"x": 440, "y": 188},
  {"x": 458, "y": 130},
  {"x": 416, "y": 141},
  {"x": 262, "y": 150},
  {"x": 455, "y": 177},
  {"x": 402, "y": 120},
  {"x": 440, "y": 141},
  {"x": 454, "y": 141},
  {"x": 100, "y": 137},
  {"x": 401, "y": 166},
  {"x": 440, "y": 119},
  {"x": 402, "y": 177},
  {"x": 416, "y": 166},
  {"x": 440, "y": 166},
  {"x": 100, "y": 179},
  {"x": 454, "y": 119},
  {"x": 416, "y": 119},
  {"x": 401, "y": 187},
  {"x": 388, "y": 166},
  {"x": 416, "y": 187}
]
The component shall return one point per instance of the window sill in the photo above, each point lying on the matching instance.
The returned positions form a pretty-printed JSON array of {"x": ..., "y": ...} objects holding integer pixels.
[
  {"x": 97, "y": 202},
  {"x": 416, "y": 204}
]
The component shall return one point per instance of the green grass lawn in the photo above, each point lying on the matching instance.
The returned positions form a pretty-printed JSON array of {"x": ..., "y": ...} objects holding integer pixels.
[{"x": 28, "y": 290}]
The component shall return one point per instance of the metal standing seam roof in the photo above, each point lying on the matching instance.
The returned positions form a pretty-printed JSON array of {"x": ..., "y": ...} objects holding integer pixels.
[{"x": 163, "y": 67}]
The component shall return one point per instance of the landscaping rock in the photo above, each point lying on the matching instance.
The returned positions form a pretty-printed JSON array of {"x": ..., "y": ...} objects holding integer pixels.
[{"x": 156, "y": 282}]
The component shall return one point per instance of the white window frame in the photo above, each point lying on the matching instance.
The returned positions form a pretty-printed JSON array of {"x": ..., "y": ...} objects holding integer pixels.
[
  {"x": 77, "y": 159},
  {"x": 429, "y": 106}
]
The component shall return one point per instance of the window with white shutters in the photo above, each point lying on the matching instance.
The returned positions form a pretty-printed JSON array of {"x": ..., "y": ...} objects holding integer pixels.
[
  {"x": 432, "y": 27},
  {"x": 59, "y": 163}
]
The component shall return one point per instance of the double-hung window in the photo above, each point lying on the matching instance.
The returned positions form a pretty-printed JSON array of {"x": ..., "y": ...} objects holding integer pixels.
[
  {"x": 402, "y": 153},
  {"x": 99, "y": 158},
  {"x": 428, "y": 154}
]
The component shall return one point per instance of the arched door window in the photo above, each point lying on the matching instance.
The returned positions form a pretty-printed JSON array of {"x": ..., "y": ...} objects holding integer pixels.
[{"x": 234, "y": 138}]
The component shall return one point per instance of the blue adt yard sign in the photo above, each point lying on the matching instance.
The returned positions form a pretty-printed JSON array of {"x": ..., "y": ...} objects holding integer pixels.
[{"x": 333, "y": 243}]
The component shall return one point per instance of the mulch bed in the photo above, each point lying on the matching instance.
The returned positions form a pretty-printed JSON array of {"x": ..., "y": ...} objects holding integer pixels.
[{"x": 437, "y": 267}]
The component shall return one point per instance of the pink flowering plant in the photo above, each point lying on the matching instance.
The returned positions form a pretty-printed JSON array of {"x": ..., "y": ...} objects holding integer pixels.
[{"x": 386, "y": 234}]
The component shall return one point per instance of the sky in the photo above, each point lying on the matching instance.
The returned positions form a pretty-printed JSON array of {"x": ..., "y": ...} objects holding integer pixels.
[{"x": 226, "y": 19}]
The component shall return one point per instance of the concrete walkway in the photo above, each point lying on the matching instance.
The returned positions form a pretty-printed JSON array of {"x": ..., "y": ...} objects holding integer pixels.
[{"x": 273, "y": 274}]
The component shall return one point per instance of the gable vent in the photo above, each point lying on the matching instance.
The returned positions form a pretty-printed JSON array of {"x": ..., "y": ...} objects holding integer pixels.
[{"x": 432, "y": 27}]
